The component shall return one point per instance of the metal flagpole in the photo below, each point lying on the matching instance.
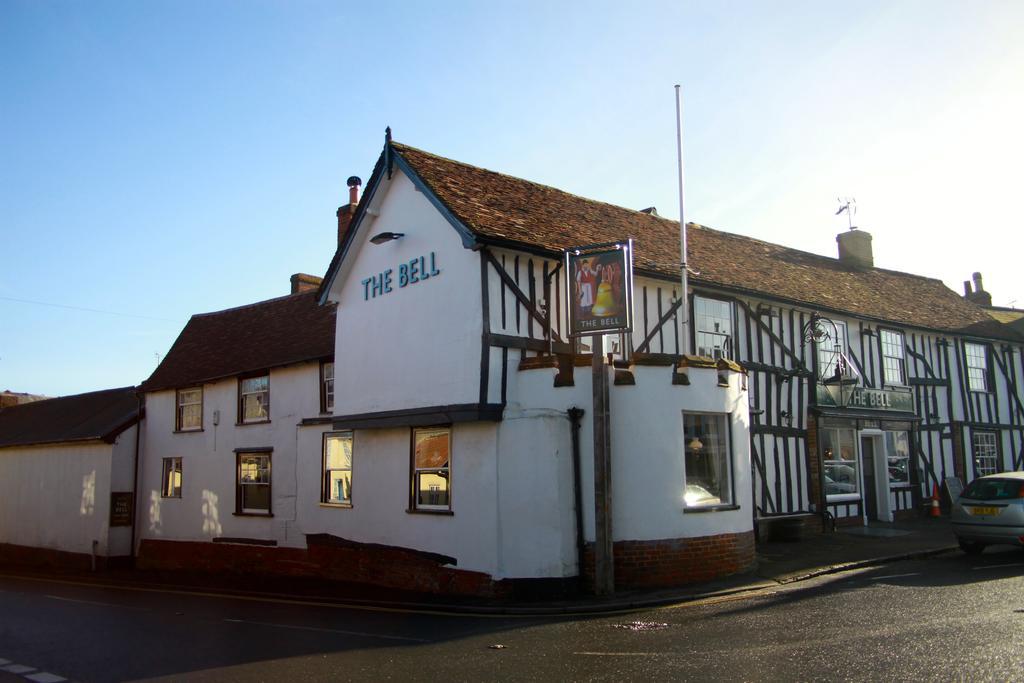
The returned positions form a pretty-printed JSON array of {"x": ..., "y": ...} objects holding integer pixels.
[{"x": 684, "y": 305}]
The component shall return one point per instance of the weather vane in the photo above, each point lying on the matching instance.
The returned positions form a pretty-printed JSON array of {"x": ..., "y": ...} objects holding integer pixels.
[{"x": 849, "y": 205}]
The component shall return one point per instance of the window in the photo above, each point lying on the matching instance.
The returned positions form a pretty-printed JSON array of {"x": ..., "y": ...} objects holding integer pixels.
[
  {"x": 252, "y": 495},
  {"x": 170, "y": 486},
  {"x": 986, "y": 453},
  {"x": 977, "y": 366},
  {"x": 706, "y": 462},
  {"x": 839, "y": 456},
  {"x": 894, "y": 365},
  {"x": 431, "y": 469},
  {"x": 254, "y": 399},
  {"x": 897, "y": 448},
  {"x": 337, "y": 469},
  {"x": 327, "y": 386},
  {"x": 832, "y": 352},
  {"x": 189, "y": 413},
  {"x": 713, "y": 324}
]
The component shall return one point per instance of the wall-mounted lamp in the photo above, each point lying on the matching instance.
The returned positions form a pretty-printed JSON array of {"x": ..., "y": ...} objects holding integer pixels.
[
  {"x": 382, "y": 237},
  {"x": 785, "y": 415}
]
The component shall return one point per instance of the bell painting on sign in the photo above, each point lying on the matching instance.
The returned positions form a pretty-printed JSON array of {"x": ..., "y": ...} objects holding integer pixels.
[{"x": 600, "y": 288}]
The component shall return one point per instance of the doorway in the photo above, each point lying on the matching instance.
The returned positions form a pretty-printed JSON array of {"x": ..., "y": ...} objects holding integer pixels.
[{"x": 876, "y": 476}]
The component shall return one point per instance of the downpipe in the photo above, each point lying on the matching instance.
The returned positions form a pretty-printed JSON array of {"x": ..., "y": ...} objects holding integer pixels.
[{"x": 575, "y": 417}]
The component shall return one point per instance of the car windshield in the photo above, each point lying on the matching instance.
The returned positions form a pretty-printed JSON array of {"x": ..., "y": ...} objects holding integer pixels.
[{"x": 993, "y": 489}]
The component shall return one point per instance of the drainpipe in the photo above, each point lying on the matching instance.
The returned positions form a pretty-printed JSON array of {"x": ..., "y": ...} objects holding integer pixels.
[
  {"x": 575, "y": 415},
  {"x": 135, "y": 480}
]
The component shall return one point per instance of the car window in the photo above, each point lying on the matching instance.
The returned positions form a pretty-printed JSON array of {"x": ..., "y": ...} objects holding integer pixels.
[{"x": 993, "y": 489}]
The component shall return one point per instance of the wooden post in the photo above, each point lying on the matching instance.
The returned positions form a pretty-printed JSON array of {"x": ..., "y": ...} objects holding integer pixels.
[{"x": 604, "y": 561}]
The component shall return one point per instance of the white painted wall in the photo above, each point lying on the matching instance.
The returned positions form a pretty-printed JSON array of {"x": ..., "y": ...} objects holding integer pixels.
[
  {"x": 418, "y": 345},
  {"x": 57, "y": 496},
  {"x": 207, "y": 504}
]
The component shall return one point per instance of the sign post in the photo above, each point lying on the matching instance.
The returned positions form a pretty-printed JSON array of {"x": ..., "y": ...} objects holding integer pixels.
[{"x": 599, "y": 290}]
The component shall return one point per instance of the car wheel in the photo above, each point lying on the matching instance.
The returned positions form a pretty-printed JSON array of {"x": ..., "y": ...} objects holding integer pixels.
[{"x": 972, "y": 547}]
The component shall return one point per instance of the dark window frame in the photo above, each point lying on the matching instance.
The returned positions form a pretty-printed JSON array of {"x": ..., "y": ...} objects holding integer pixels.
[
  {"x": 414, "y": 507},
  {"x": 240, "y": 453},
  {"x": 178, "y": 413},
  {"x": 240, "y": 408},
  {"x": 165, "y": 490},
  {"x": 730, "y": 461}
]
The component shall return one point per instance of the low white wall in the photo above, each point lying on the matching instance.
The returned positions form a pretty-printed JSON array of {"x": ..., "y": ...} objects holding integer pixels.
[{"x": 57, "y": 497}]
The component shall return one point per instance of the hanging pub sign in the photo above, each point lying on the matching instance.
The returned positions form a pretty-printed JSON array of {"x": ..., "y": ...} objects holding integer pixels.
[{"x": 599, "y": 288}]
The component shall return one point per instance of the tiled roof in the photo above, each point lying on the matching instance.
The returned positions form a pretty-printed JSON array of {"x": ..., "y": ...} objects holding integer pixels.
[
  {"x": 83, "y": 417},
  {"x": 503, "y": 210},
  {"x": 268, "y": 334}
]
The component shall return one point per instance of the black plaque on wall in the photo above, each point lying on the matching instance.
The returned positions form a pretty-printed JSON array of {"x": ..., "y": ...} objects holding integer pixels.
[{"x": 120, "y": 508}]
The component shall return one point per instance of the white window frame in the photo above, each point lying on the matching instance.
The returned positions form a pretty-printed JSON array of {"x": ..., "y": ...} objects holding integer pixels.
[
  {"x": 827, "y": 359},
  {"x": 443, "y": 472},
  {"x": 985, "y": 447},
  {"x": 244, "y": 394},
  {"x": 890, "y": 456},
  {"x": 170, "y": 485},
  {"x": 327, "y": 386},
  {"x": 241, "y": 484},
  {"x": 893, "y": 357},
  {"x": 325, "y": 471},
  {"x": 707, "y": 325},
  {"x": 181, "y": 402},
  {"x": 728, "y": 485},
  {"x": 856, "y": 463},
  {"x": 977, "y": 372}
]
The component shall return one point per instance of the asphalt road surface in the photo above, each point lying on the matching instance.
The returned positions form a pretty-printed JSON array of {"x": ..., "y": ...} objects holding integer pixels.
[{"x": 951, "y": 617}]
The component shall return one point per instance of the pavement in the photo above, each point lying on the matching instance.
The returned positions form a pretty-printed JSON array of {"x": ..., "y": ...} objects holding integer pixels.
[{"x": 778, "y": 563}]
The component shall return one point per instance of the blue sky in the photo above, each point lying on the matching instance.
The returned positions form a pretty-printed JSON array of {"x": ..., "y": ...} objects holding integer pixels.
[{"x": 160, "y": 159}]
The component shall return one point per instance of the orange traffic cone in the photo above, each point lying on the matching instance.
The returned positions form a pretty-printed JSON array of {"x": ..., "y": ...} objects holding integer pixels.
[{"x": 934, "y": 510}]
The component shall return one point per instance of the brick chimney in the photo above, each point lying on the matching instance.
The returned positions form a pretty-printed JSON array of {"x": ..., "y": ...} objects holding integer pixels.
[
  {"x": 301, "y": 282},
  {"x": 855, "y": 248},
  {"x": 979, "y": 295},
  {"x": 346, "y": 212}
]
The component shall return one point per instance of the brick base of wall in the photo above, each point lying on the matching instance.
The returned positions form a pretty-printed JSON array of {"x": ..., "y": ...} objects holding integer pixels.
[
  {"x": 328, "y": 558},
  {"x": 676, "y": 561},
  {"x": 26, "y": 556}
]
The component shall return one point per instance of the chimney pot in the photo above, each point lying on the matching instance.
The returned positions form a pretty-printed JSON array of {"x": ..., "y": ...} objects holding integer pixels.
[{"x": 979, "y": 295}]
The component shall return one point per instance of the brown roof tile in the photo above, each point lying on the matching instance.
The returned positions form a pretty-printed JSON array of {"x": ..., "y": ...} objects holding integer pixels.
[
  {"x": 264, "y": 335},
  {"x": 83, "y": 417},
  {"x": 501, "y": 209}
]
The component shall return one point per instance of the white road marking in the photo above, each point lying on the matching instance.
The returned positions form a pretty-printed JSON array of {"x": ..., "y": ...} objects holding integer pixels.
[
  {"x": 44, "y": 677},
  {"x": 17, "y": 668},
  {"x": 998, "y": 566},
  {"x": 328, "y": 630}
]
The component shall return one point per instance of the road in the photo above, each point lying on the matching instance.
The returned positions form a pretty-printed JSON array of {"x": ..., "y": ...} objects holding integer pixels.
[{"x": 948, "y": 617}]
